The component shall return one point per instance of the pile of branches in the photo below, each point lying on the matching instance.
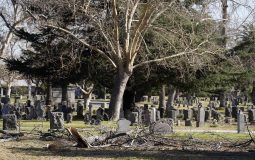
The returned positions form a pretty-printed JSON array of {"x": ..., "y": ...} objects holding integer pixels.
[{"x": 142, "y": 139}]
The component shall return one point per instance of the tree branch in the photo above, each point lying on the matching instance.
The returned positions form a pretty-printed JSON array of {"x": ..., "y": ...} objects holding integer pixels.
[
  {"x": 84, "y": 43},
  {"x": 172, "y": 56}
]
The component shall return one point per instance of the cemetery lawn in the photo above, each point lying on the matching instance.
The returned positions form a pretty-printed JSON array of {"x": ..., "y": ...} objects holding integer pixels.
[{"x": 31, "y": 147}]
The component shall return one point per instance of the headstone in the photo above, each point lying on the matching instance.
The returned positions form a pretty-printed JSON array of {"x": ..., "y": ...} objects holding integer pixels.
[
  {"x": 228, "y": 112},
  {"x": 100, "y": 113},
  {"x": 146, "y": 117},
  {"x": 133, "y": 117},
  {"x": 188, "y": 122},
  {"x": 178, "y": 123},
  {"x": 153, "y": 115},
  {"x": 123, "y": 126},
  {"x": 160, "y": 128},
  {"x": 172, "y": 114},
  {"x": 40, "y": 112},
  {"x": 201, "y": 117},
  {"x": 9, "y": 122},
  {"x": 168, "y": 121},
  {"x": 69, "y": 118},
  {"x": 180, "y": 112},
  {"x": 28, "y": 112},
  {"x": 235, "y": 111},
  {"x": 6, "y": 109},
  {"x": 215, "y": 115},
  {"x": 187, "y": 114},
  {"x": 195, "y": 113},
  {"x": 56, "y": 120},
  {"x": 140, "y": 115},
  {"x": 240, "y": 123},
  {"x": 207, "y": 115},
  {"x": 79, "y": 109},
  {"x": 87, "y": 118},
  {"x": 158, "y": 115},
  {"x": 251, "y": 115}
]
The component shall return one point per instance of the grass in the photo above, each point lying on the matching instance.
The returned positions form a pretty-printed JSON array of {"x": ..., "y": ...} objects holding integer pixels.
[
  {"x": 37, "y": 125},
  {"x": 233, "y": 137},
  {"x": 32, "y": 148}
]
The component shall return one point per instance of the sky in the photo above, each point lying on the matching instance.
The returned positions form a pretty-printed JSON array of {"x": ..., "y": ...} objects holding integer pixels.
[{"x": 240, "y": 13}]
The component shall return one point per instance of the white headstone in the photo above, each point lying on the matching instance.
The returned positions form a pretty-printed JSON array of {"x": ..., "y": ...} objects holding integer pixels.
[
  {"x": 153, "y": 114},
  {"x": 123, "y": 126}
]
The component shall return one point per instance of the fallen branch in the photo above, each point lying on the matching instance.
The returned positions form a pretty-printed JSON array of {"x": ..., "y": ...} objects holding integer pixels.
[
  {"x": 13, "y": 134},
  {"x": 78, "y": 138}
]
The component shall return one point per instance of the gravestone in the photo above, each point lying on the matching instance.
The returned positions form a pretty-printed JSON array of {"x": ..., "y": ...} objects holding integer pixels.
[
  {"x": 140, "y": 115},
  {"x": 228, "y": 112},
  {"x": 251, "y": 115},
  {"x": 123, "y": 126},
  {"x": 100, "y": 113},
  {"x": 172, "y": 114},
  {"x": 69, "y": 118},
  {"x": 79, "y": 109},
  {"x": 9, "y": 122},
  {"x": 178, "y": 123},
  {"x": 195, "y": 113},
  {"x": 133, "y": 117},
  {"x": 28, "y": 111},
  {"x": 215, "y": 115},
  {"x": 235, "y": 111},
  {"x": 160, "y": 128},
  {"x": 146, "y": 117},
  {"x": 188, "y": 122},
  {"x": 87, "y": 118},
  {"x": 158, "y": 115},
  {"x": 187, "y": 114},
  {"x": 167, "y": 120},
  {"x": 40, "y": 112},
  {"x": 56, "y": 120},
  {"x": 153, "y": 115},
  {"x": 240, "y": 122},
  {"x": 207, "y": 115},
  {"x": 201, "y": 117}
]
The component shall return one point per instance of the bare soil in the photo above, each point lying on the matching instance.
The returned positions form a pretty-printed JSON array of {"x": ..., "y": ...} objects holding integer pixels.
[{"x": 31, "y": 147}]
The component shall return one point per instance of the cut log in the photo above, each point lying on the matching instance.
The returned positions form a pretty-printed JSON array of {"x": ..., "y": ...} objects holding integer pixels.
[{"x": 78, "y": 138}]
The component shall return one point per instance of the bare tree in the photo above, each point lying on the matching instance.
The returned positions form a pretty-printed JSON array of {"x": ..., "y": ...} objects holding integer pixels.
[
  {"x": 122, "y": 27},
  {"x": 12, "y": 11}
]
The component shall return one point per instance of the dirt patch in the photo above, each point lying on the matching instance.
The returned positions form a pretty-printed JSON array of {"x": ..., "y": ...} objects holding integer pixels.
[{"x": 29, "y": 148}]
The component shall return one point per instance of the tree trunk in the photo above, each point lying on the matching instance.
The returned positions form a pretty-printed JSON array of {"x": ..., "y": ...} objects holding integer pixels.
[
  {"x": 128, "y": 100},
  {"x": 162, "y": 98},
  {"x": 253, "y": 93},
  {"x": 64, "y": 96},
  {"x": 117, "y": 94},
  {"x": 171, "y": 96},
  {"x": 224, "y": 21},
  {"x": 86, "y": 98},
  {"x": 49, "y": 94}
]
